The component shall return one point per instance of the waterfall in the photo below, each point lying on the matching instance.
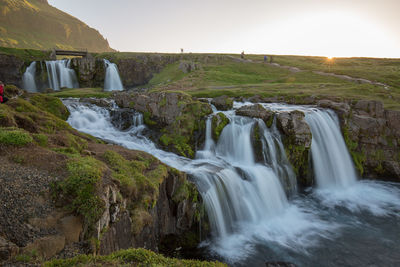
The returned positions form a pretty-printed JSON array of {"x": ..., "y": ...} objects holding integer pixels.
[
  {"x": 61, "y": 75},
  {"x": 112, "y": 80},
  {"x": 333, "y": 166},
  {"x": 28, "y": 79},
  {"x": 238, "y": 190}
]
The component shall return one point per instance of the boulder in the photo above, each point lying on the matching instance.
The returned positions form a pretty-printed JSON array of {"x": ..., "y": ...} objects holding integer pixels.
[
  {"x": 219, "y": 121},
  {"x": 257, "y": 111},
  {"x": 294, "y": 126},
  {"x": 222, "y": 102}
]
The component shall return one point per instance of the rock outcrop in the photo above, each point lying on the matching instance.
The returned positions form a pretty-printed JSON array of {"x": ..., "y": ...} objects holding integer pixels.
[
  {"x": 372, "y": 135},
  {"x": 90, "y": 71},
  {"x": 11, "y": 70},
  {"x": 222, "y": 102},
  {"x": 257, "y": 111},
  {"x": 178, "y": 118}
]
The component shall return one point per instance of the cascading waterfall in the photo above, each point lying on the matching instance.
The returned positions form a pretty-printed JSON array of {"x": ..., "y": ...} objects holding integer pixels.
[
  {"x": 28, "y": 79},
  {"x": 244, "y": 196},
  {"x": 112, "y": 80},
  {"x": 238, "y": 190},
  {"x": 61, "y": 75},
  {"x": 332, "y": 163}
]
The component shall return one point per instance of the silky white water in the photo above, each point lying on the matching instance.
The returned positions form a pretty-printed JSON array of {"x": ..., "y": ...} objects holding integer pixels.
[
  {"x": 250, "y": 215},
  {"x": 112, "y": 80},
  {"x": 28, "y": 79},
  {"x": 333, "y": 166},
  {"x": 61, "y": 75}
]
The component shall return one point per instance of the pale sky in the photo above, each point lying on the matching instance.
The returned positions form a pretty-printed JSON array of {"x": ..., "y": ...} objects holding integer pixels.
[{"x": 368, "y": 28}]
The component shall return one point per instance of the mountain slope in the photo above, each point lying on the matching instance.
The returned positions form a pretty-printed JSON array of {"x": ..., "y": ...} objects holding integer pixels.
[{"x": 36, "y": 24}]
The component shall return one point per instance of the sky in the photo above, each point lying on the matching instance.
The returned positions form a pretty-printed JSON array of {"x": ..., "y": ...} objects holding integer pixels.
[{"x": 334, "y": 28}]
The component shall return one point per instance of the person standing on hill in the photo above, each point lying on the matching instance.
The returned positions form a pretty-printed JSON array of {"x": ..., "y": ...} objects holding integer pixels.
[{"x": 3, "y": 99}]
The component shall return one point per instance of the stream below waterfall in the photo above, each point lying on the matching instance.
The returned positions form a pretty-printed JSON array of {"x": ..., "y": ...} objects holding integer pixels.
[{"x": 255, "y": 210}]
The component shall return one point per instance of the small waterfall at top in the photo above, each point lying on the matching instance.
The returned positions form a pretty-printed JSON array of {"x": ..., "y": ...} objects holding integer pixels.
[
  {"x": 28, "y": 79},
  {"x": 112, "y": 80},
  {"x": 333, "y": 166},
  {"x": 61, "y": 75}
]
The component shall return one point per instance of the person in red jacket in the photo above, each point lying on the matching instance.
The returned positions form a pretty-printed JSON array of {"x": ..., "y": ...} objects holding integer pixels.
[{"x": 3, "y": 99}]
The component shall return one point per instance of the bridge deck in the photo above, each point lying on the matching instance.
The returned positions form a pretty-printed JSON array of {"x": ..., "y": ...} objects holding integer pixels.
[{"x": 71, "y": 53}]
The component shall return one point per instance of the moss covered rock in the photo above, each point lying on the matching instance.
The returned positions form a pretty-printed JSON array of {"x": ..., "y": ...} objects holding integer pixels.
[
  {"x": 297, "y": 142},
  {"x": 219, "y": 121},
  {"x": 178, "y": 118},
  {"x": 222, "y": 102}
]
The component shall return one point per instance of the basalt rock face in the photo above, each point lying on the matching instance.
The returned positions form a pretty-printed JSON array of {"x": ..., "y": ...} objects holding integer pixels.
[
  {"x": 179, "y": 119},
  {"x": 176, "y": 213},
  {"x": 372, "y": 135},
  {"x": 90, "y": 71},
  {"x": 11, "y": 70},
  {"x": 138, "y": 70}
]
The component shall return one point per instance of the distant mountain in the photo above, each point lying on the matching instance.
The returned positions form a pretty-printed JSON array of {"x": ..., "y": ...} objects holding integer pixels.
[{"x": 36, "y": 24}]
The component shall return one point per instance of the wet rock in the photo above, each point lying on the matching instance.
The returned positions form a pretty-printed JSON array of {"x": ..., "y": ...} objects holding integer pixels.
[
  {"x": 101, "y": 102},
  {"x": 90, "y": 71},
  {"x": 178, "y": 118},
  {"x": 257, "y": 111},
  {"x": 297, "y": 142},
  {"x": 294, "y": 126},
  {"x": 219, "y": 121},
  {"x": 222, "y": 102}
]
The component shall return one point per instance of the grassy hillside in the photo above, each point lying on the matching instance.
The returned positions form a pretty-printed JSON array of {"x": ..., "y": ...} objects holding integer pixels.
[
  {"x": 37, "y": 25},
  {"x": 229, "y": 76}
]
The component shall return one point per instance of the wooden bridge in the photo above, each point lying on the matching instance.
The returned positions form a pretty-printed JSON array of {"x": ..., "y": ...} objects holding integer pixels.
[{"x": 76, "y": 53}]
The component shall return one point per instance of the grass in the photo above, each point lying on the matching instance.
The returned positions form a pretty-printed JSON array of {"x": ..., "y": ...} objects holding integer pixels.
[
  {"x": 129, "y": 257},
  {"x": 82, "y": 92},
  {"x": 382, "y": 70},
  {"x": 79, "y": 189},
  {"x": 27, "y": 55},
  {"x": 14, "y": 137},
  {"x": 38, "y": 25},
  {"x": 245, "y": 79}
]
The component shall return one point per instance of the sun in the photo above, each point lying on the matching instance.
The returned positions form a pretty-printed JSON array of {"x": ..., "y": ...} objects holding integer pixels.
[{"x": 329, "y": 58}]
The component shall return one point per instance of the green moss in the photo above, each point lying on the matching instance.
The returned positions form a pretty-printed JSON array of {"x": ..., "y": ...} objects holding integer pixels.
[
  {"x": 270, "y": 121},
  {"x": 41, "y": 139},
  {"x": 129, "y": 257},
  {"x": 219, "y": 121},
  {"x": 79, "y": 189},
  {"x": 81, "y": 93},
  {"x": 50, "y": 104},
  {"x": 147, "y": 119},
  {"x": 358, "y": 157},
  {"x": 14, "y": 137}
]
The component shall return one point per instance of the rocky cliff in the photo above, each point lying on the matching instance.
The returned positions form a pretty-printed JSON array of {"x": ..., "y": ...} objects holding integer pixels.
[
  {"x": 372, "y": 135},
  {"x": 178, "y": 119},
  {"x": 66, "y": 193}
]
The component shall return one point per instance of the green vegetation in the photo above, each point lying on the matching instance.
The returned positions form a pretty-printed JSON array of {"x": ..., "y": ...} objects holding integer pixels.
[
  {"x": 14, "y": 137},
  {"x": 50, "y": 104},
  {"x": 227, "y": 76},
  {"x": 82, "y": 92},
  {"x": 27, "y": 55},
  {"x": 36, "y": 24},
  {"x": 129, "y": 257},
  {"x": 219, "y": 121},
  {"x": 79, "y": 189},
  {"x": 359, "y": 158}
]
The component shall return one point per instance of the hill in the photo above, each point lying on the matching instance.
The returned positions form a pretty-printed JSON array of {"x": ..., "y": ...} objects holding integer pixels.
[{"x": 36, "y": 24}]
